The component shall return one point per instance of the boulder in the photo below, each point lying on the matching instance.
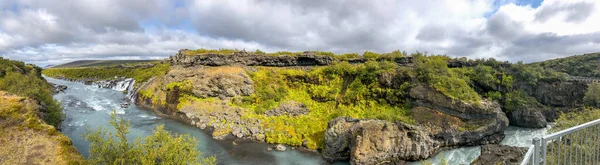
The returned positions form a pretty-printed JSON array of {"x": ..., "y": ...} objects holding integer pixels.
[
  {"x": 375, "y": 141},
  {"x": 279, "y": 147},
  {"x": 500, "y": 155},
  {"x": 58, "y": 88}
]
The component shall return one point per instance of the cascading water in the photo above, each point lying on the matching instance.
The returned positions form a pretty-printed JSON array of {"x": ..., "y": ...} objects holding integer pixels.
[{"x": 515, "y": 136}]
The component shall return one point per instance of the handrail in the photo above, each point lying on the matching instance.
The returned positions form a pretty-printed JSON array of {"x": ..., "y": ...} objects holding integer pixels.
[
  {"x": 575, "y": 145},
  {"x": 570, "y": 130},
  {"x": 528, "y": 155}
]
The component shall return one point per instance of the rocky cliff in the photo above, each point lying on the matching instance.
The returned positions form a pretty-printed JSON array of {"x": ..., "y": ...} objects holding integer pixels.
[
  {"x": 557, "y": 94},
  {"x": 248, "y": 59},
  {"x": 551, "y": 98},
  {"x": 439, "y": 122}
]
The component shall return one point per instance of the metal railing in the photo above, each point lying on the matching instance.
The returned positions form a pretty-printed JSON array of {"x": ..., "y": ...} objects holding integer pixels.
[{"x": 575, "y": 145}]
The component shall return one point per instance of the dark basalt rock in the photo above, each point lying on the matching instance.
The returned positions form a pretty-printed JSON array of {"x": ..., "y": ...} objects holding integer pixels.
[
  {"x": 375, "y": 141},
  {"x": 58, "y": 88},
  {"x": 500, "y": 155},
  {"x": 557, "y": 94},
  {"x": 529, "y": 118},
  {"x": 457, "y": 123}
]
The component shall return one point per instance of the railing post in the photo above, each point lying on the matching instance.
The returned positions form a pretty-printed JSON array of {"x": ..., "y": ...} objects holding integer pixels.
[
  {"x": 544, "y": 147},
  {"x": 536, "y": 151}
]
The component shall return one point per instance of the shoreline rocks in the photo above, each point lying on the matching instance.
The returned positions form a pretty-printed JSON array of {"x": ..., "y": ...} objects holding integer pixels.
[{"x": 58, "y": 88}]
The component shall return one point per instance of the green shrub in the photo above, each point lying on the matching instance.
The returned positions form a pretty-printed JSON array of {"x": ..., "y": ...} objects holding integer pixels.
[
  {"x": 25, "y": 80},
  {"x": 108, "y": 147},
  {"x": 592, "y": 95},
  {"x": 371, "y": 55}
]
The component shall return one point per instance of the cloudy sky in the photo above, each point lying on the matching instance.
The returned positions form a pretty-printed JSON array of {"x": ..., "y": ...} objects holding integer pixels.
[{"x": 57, "y": 31}]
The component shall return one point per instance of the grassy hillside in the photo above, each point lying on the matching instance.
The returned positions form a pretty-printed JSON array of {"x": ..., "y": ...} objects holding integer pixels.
[
  {"x": 100, "y": 63},
  {"x": 587, "y": 65},
  {"x": 28, "y": 117},
  {"x": 140, "y": 74}
]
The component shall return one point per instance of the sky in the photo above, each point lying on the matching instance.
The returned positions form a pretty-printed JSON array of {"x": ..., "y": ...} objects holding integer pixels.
[{"x": 47, "y": 32}]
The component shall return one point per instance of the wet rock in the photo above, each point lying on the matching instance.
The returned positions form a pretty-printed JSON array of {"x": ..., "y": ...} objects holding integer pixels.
[
  {"x": 279, "y": 147},
  {"x": 58, "y": 88},
  {"x": 500, "y": 155},
  {"x": 290, "y": 108},
  {"x": 125, "y": 105}
]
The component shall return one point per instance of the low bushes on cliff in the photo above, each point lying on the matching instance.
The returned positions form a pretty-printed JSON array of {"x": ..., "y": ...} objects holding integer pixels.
[
  {"x": 25, "y": 80},
  {"x": 592, "y": 95},
  {"x": 452, "y": 82}
]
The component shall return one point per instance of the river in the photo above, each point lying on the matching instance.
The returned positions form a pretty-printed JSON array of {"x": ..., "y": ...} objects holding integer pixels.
[{"x": 88, "y": 107}]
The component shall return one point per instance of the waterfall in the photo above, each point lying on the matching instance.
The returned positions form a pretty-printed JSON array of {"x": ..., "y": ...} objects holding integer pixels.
[
  {"x": 131, "y": 92},
  {"x": 122, "y": 84}
]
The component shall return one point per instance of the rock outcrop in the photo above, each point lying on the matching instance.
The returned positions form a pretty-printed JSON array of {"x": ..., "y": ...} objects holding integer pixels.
[
  {"x": 376, "y": 141},
  {"x": 206, "y": 81},
  {"x": 440, "y": 121},
  {"x": 248, "y": 59},
  {"x": 557, "y": 94},
  {"x": 500, "y": 155},
  {"x": 459, "y": 123}
]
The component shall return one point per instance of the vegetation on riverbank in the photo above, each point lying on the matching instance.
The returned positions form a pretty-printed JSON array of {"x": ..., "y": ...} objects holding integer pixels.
[
  {"x": 102, "y": 63},
  {"x": 26, "y": 80},
  {"x": 29, "y": 118},
  {"x": 159, "y": 148},
  {"x": 140, "y": 74}
]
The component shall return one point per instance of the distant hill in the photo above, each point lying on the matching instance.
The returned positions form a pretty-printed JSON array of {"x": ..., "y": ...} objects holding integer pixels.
[
  {"x": 587, "y": 65},
  {"x": 97, "y": 63}
]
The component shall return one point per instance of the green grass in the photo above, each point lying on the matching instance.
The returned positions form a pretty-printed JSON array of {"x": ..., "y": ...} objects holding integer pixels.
[
  {"x": 368, "y": 54},
  {"x": 101, "y": 73},
  {"x": 101, "y": 63}
]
